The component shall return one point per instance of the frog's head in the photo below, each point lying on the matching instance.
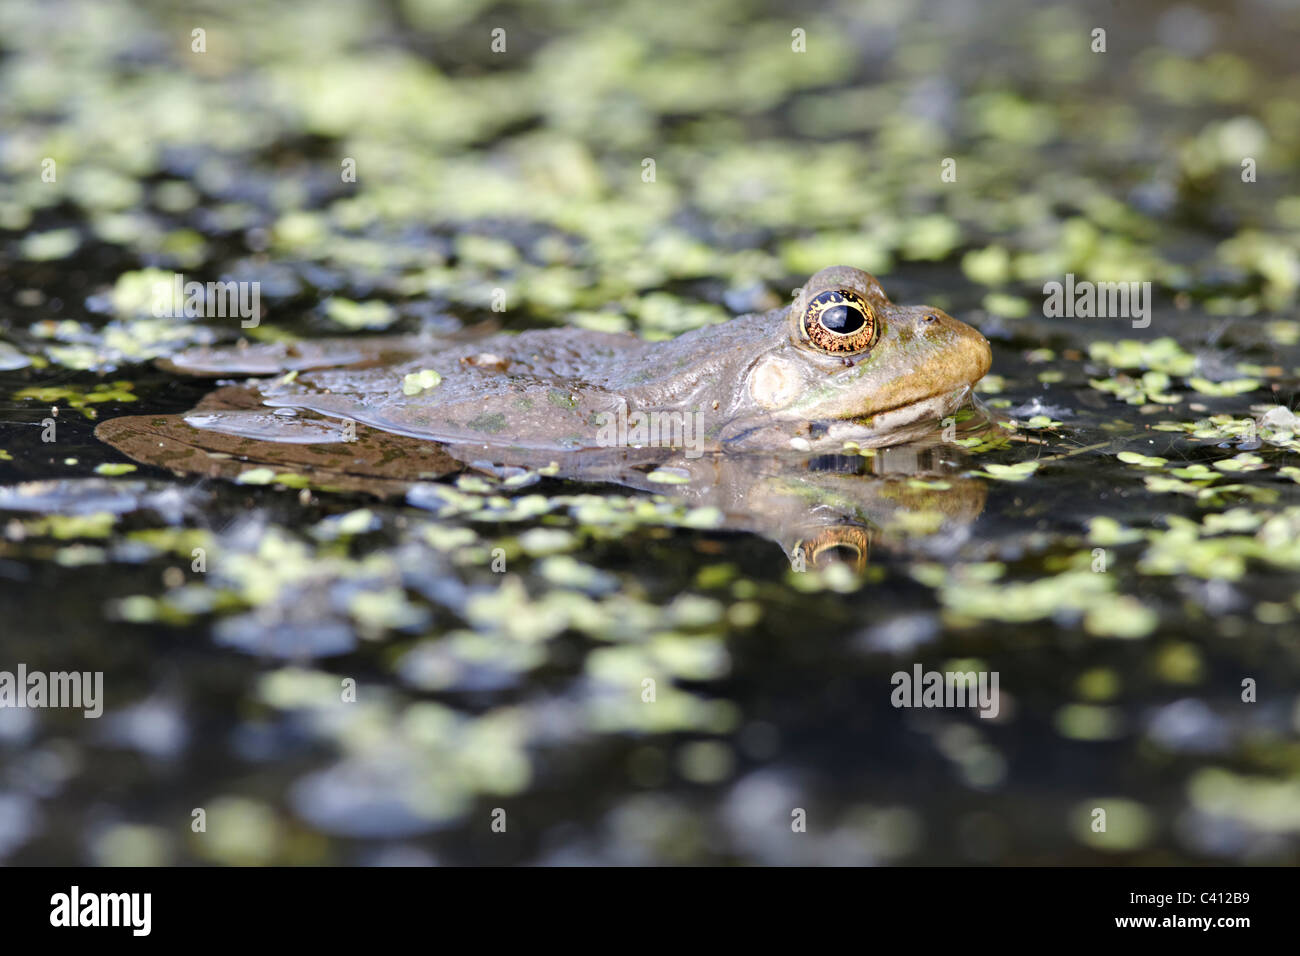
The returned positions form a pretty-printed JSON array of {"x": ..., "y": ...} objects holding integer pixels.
[{"x": 848, "y": 354}]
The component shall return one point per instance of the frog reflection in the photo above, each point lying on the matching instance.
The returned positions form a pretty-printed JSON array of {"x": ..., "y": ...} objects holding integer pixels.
[{"x": 820, "y": 509}]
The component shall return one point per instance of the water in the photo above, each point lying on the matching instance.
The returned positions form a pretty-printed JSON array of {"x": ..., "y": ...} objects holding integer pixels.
[{"x": 349, "y": 680}]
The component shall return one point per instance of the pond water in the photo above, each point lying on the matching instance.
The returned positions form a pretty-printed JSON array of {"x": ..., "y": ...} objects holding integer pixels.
[{"x": 399, "y": 653}]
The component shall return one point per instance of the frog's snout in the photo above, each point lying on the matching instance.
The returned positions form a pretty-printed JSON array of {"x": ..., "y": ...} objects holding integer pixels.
[{"x": 968, "y": 351}]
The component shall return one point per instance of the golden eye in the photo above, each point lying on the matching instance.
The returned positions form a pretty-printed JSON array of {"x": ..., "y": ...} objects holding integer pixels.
[
  {"x": 844, "y": 543},
  {"x": 839, "y": 321}
]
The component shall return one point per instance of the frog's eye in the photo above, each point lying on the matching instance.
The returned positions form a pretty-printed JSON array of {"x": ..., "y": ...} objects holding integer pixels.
[
  {"x": 844, "y": 543},
  {"x": 839, "y": 321}
]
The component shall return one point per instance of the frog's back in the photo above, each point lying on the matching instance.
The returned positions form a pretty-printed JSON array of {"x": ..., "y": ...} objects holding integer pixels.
[{"x": 543, "y": 388}]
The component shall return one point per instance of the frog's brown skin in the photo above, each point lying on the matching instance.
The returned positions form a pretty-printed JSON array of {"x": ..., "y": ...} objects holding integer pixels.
[{"x": 758, "y": 382}]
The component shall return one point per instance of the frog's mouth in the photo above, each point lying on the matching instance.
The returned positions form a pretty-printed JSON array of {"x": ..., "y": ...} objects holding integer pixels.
[
  {"x": 931, "y": 409},
  {"x": 914, "y": 421}
]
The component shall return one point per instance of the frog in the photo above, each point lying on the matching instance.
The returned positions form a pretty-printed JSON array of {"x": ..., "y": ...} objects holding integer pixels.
[
  {"x": 814, "y": 424},
  {"x": 841, "y": 364}
]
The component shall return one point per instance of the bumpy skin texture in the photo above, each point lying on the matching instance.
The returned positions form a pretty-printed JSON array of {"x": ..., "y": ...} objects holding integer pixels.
[{"x": 756, "y": 382}]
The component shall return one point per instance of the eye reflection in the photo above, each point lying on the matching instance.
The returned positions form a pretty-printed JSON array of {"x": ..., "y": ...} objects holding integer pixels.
[{"x": 845, "y": 544}]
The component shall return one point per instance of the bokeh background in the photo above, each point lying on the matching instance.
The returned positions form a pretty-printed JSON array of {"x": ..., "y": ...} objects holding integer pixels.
[{"x": 523, "y": 170}]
